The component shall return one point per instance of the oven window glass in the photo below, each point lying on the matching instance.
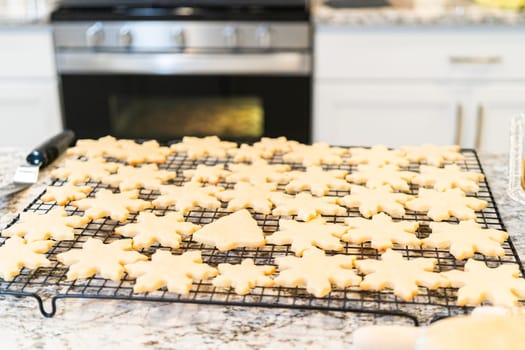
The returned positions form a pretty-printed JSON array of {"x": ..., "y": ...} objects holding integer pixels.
[{"x": 168, "y": 117}]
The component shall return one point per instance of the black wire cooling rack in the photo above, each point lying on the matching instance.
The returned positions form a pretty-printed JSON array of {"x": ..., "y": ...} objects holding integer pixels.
[{"x": 50, "y": 284}]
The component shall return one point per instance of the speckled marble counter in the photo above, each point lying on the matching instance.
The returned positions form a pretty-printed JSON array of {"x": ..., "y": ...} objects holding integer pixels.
[
  {"x": 81, "y": 324},
  {"x": 455, "y": 13}
]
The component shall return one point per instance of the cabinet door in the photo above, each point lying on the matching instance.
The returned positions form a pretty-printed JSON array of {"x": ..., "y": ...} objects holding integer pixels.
[
  {"x": 393, "y": 114},
  {"x": 495, "y": 105},
  {"x": 29, "y": 113}
]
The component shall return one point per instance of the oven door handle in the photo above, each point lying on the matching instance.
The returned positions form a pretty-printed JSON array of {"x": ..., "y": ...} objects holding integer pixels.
[{"x": 285, "y": 63}]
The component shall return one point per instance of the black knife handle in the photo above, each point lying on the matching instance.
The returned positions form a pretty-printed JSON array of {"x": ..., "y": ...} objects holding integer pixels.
[{"x": 47, "y": 152}]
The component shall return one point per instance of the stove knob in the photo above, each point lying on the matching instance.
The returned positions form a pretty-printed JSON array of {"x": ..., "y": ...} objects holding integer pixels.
[
  {"x": 231, "y": 36},
  {"x": 94, "y": 35},
  {"x": 179, "y": 38},
  {"x": 125, "y": 37},
  {"x": 263, "y": 36}
]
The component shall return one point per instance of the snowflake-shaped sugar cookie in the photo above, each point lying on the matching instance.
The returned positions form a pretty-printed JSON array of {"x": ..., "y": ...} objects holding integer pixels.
[
  {"x": 54, "y": 224},
  {"x": 317, "y": 180},
  {"x": 16, "y": 254},
  {"x": 247, "y": 153},
  {"x": 432, "y": 154},
  {"x": 167, "y": 230},
  {"x": 451, "y": 176},
  {"x": 403, "y": 276},
  {"x": 316, "y": 154},
  {"x": 94, "y": 148},
  {"x": 381, "y": 231},
  {"x": 206, "y": 173},
  {"x": 247, "y": 195},
  {"x": 77, "y": 171},
  {"x": 176, "y": 272},
  {"x": 466, "y": 238},
  {"x": 147, "y": 176},
  {"x": 304, "y": 235},
  {"x": 65, "y": 193},
  {"x": 501, "y": 285},
  {"x": 138, "y": 153},
  {"x": 270, "y": 145},
  {"x": 232, "y": 231},
  {"x": 115, "y": 205},
  {"x": 442, "y": 205},
  {"x": 377, "y": 156},
  {"x": 188, "y": 196},
  {"x": 316, "y": 271},
  {"x": 305, "y": 206},
  {"x": 244, "y": 276},
  {"x": 375, "y": 177},
  {"x": 97, "y": 257},
  {"x": 372, "y": 201},
  {"x": 259, "y": 172},
  {"x": 196, "y": 147}
]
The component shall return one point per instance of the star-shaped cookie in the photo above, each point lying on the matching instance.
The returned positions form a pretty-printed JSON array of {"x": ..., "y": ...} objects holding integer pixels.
[
  {"x": 94, "y": 148},
  {"x": 433, "y": 154},
  {"x": 304, "y": 235},
  {"x": 271, "y": 145},
  {"x": 96, "y": 257},
  {"x": 317, "y": 180},
  {"x": 77, "y": 171},
  {"x": 16, "y": 254},
  {"x": 442, "y": 205},
  {"x": 232, "y": 231},
  {"x": 54, "y": 224},
  {"x": 375, "y": 177},
  {"x": 316, "y": 154},
  {"x": 316, "y": 272},
  {"x": 176, "y": 272},
  {"x": 466, "y": 238},
  {"x": 501, "y": 285},
  {"x": 147, "y": 176},
  {"x": 115, "y": 205},
  {"x": 188, "y": 196},
  {"x": 247, "y": 195},
  {"x": 403, "y": 276},
  {"x": 372, "y": 201},
  {"x": 451, "y": 176},
  {"x": 167, "y": 230},
  {"x": 377, "y": 156},
  {"x": 305, "y": 206},
  {"x": 206, "y": 173},
  {"x": 381, "y": 231},
  {"x": 259, "y": 172},
  {"x": 65, "y": 193},
  {"x": 247, "y": 153},
  {"x": 244, "y": 276},
  {"x": 196, "y": 147},
  {"x": 138, "y": 153}
]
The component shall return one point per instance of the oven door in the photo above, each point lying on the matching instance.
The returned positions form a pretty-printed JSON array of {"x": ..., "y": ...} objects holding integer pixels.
[{"x": 240, "y": 97}]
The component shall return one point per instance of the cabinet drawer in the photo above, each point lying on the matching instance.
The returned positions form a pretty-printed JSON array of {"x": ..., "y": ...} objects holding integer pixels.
[
  {"x": 420, "y": 53},
  {"x": 26, "y": 53}
]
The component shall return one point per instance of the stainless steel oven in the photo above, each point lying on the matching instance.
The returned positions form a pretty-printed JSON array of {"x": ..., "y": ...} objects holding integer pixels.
[{"x": 164, "y": 69}]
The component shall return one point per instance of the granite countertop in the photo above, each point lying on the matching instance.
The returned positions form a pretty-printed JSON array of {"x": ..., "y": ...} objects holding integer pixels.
[
  {"x": 453, "y": 13},
  {"x": 136, "y": 325}
]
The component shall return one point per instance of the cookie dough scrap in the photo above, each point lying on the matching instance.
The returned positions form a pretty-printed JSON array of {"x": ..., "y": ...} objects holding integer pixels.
[
  {"x": 246, "y": 195},
  {"x": 305, "y": 206},
  {"x": 65, "y": 193},
  {"x": 317, "y": 180},
  {"x": 96, "y": 257},
  {"x": 466, "y": 238},
  {"x": 16, "y": 254},
  {"x": 442, "y": 205},
  {"x": 147, "y": 176},
  {"x": 167, "y": 230},
  {"x": 77, "y": 171},
  {"x": 316, "y": 272},
  {"x": 375, "y": 177},
  {"x": 259, "y": 172},
  {"x": 501, "y": 285},
  {"x": 247, "y": 153},
  {"x": 381, "y": 231},
  {"x": 188, "y": 196},
  {"x": 403, "y": 276},
  {"x": 206, "y": 173},
  {"x": 232, "y": 231},
  {"x": 54, "y": 224},
  {"x": 176, "y": 272},
  {"x": 244, "y": 276},
  {"x": 115, "y": 205},
  {"x": 316, "y": 154},
  {"x": 138, "y": 153},
  {"x": 196, "y": 147},
  {"x": 304, "y": 235},
  {"x": 449, "y": 177},
  {"x": 94, "y": 148},
  {"x": 372, "y": 201},
  {"x": 378, "y": 155},
  {"x": 270, "y": 145},
  {"x": 433, "y": 154}
]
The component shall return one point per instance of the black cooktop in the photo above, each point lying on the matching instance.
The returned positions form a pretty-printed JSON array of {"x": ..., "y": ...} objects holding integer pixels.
[{"x": 176, "y": 3}]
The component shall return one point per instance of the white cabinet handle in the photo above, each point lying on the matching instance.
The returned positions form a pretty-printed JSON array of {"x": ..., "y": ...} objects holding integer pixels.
[
  {"x": 479, "y": 128},
  {"x": 475, "y": 59},
  {"x": 459, "y": 124}
]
